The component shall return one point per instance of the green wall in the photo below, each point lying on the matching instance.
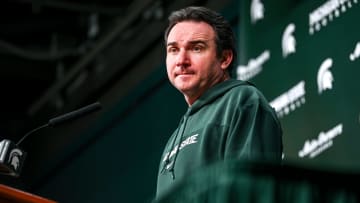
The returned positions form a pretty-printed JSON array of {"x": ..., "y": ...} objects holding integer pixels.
[{"x": 321, "y": 127}]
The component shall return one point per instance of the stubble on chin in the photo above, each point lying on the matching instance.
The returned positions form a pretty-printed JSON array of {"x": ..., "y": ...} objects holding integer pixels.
[{"x": 183, "y": 86}]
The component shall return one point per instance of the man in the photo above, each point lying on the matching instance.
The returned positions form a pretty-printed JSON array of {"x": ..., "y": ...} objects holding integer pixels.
[{"x": 227, "y": 118}]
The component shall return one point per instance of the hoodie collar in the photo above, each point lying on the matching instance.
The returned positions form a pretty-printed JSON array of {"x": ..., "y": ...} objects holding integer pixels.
[{"x": 213, "y": 93}]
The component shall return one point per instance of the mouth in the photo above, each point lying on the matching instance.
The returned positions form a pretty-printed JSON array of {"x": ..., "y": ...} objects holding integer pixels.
[{"x": 183, "y": 74}]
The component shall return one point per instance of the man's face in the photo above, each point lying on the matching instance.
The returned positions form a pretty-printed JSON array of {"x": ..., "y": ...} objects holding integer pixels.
[{"x": 191, "y": 60}]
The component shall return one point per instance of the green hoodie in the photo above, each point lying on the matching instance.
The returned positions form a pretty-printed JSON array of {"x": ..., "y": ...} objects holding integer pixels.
[{"x": 232, "y": 120}]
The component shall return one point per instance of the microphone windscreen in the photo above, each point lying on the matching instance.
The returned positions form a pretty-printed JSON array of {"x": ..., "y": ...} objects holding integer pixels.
[{"x": 74, "y": 114}]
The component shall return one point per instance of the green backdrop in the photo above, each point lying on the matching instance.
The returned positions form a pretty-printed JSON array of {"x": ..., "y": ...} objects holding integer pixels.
[{"x": 304, "y": 55}]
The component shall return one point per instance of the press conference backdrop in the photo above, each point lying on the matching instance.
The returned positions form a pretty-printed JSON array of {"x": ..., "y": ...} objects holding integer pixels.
[{"x": 305, "y": 57}]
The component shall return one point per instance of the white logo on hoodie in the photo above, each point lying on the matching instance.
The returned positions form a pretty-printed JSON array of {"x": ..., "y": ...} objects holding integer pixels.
[{"x": 188, "y": 141}]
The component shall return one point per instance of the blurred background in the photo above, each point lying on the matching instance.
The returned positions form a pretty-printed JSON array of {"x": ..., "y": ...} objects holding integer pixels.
[{"x": 59, "y": 55}]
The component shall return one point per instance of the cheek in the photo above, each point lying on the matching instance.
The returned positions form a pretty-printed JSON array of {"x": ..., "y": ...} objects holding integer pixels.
[
  {"x": 169, "y": 61},
  {"x": 204, "y": 61},
  {"x": 169, "y": 67},
  {"x": 203, "y": 65}
]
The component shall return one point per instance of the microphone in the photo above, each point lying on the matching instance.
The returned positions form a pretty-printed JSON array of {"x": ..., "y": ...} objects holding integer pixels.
[
  {"x": 12, "y": 157},
  {"x": 74, "y": 114}
]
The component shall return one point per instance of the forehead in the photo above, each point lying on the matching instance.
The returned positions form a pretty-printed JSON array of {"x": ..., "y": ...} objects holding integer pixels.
[{"x": 190, "y": 30}]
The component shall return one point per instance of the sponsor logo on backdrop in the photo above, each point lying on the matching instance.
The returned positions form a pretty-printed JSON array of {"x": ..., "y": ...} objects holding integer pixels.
[
  {"x": 290, "y": 100},
  {"x": 288, "y": 40},
  {"x": 326, "y": 13},
  {"x": 324, "y": 76},
  {"x": 256, "y": 11},
  {"x": 253, "y": 67},
  {"x": 356, "y": 53},
  {"x": 324, "y": 141}
]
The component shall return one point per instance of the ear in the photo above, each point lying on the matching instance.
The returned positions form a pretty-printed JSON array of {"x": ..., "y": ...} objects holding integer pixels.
[{"x": 226, "y": 59}]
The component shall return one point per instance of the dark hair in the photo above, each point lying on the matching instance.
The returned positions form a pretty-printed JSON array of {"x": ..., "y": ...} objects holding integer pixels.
[{"x": 224, "y": 35}]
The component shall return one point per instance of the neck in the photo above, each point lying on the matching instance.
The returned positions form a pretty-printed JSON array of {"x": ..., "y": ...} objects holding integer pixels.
[{"x": 190, "y": 99}]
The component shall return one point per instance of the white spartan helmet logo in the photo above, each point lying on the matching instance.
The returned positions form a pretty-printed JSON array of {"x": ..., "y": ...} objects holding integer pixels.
[
  {"x": 256, "y": 10},
  {"x": 324, "y": 76},
  {"x": 288, "y": 40},
  {"x": 14, "y": 158}
]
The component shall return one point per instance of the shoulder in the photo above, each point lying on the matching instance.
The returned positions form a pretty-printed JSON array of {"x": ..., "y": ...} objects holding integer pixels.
[{"x": 246, "y": 92}]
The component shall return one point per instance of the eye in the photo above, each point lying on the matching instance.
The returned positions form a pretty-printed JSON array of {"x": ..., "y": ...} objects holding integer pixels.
[
  {"x": 172, "y": 50},
  {"x": 197, "y": 48}
]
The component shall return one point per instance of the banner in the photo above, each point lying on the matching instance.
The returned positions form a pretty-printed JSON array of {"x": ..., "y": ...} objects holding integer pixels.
[{"x": 305, "y": 58}]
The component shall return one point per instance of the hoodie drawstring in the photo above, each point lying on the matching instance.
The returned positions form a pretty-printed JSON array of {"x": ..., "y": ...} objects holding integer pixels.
[
  {"x": 172, "y": 167},
  {"x": 167, "y": 160}
]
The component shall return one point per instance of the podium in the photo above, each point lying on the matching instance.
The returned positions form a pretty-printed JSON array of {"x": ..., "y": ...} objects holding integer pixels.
[
  {"x": 260, "y": 182},
  {"x": 12, "y": 195}
]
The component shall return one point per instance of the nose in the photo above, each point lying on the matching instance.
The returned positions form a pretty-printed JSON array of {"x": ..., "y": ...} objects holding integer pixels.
[{"x": 182, "y": 58}]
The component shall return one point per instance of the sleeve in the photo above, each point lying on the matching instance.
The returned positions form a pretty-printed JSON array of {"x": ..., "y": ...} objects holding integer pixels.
[{"x": 254, "y": 133}]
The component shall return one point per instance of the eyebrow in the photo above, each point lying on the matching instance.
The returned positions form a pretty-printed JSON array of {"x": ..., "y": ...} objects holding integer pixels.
[
  {"x": 171, "y": 44},
  {"x": 190, "y": 42}
]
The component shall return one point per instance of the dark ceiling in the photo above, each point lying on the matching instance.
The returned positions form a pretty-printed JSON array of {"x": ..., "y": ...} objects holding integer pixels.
[
  {"x": 59, "y": 55},
  {"x": 48, "y": 47}
]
